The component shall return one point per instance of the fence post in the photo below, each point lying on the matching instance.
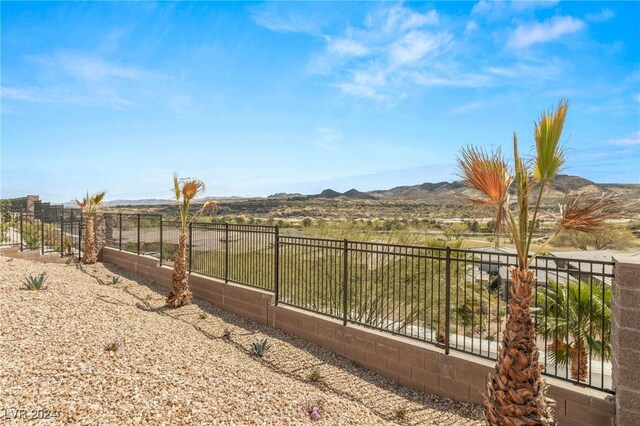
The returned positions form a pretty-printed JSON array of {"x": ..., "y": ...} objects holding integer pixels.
[
  {"x": 344, "y": 281},
  {"x": 447, "y": 292},
  {"x": 61, "y": 236},
  {"x": 120, "y": 232},
  {"x": 277, "y": 264},
  {"x": 190, "y": 243},
  {"x": 21, "y": 217},
  {"x": 226, "y": 252},
  {"x": 160, "y": 240},
  {"x": 42, "y": 234},
  {"x": 138, "y": 235}
]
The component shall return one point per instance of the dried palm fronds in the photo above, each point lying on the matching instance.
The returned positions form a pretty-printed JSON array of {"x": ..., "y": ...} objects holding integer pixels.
[{"x": 585, "y": 212}]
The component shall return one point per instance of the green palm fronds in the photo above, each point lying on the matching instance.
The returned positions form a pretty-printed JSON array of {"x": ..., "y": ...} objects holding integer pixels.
[
  {"x": 549, "y": 153},
  {"x": 573, "y": 315},
  {"x": 89, "y": 203}
]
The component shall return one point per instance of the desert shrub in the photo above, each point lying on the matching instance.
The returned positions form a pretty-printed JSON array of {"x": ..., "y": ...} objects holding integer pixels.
[
  {"x": 35, "y": 282},
  {"x": 260, "y": 346}
]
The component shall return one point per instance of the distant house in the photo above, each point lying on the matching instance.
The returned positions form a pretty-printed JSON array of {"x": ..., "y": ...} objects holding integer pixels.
[
  {"x": 587, "y": 265},
  {"x": 492, "y": 265}
]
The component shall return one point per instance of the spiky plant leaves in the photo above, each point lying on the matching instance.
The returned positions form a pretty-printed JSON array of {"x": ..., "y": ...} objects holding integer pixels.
[
  {"x": 585, "y": 212},
  {"x": 489, "y": 174},
  {"x": 549, "y": 153},
  {"x": 580, "y": 326}
]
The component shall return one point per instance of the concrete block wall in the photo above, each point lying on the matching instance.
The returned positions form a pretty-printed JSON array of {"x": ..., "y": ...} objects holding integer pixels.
[
  {"x": 406, "y": 361},
  {"x": 625, "y": 339}
]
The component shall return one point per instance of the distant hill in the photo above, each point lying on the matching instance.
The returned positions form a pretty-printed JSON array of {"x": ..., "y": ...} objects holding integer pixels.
[
  {"x": 327, "y": 193},
  {"x": 357, "y": 195},
  {"x": 439, "y": 193},
  {"x": 456, "y": 192}
]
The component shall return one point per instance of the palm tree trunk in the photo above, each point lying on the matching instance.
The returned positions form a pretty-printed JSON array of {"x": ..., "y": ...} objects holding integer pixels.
[
  {"x": 516, "y": 392},
  {"x": 579, "y": 366},
  {"x": 180, "y": 294},
  {"x": 89, "y": 257}
]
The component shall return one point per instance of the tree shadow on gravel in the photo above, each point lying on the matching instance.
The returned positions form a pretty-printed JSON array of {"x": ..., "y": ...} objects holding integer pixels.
[{"x": 318, "y": 356}]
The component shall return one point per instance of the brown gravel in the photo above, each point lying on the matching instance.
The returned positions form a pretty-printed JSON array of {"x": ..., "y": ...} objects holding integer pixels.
[{"x": 177, "y": 367}]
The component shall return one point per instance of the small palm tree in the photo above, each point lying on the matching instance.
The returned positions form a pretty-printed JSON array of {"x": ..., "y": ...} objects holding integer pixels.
[
  {"x": 185, "y": 190},
  {"x": 88, "y": 206},
  {"x": 516, "y": 392},
  {"x": 576, "y": 318}
]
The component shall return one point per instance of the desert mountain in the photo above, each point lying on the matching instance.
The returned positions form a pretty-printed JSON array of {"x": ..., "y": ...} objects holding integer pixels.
[{"x": 453, "y": 192}]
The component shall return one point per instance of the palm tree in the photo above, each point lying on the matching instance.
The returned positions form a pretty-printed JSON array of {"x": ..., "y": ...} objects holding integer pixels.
[
  {"x": 185, "y": 191},
  {"x": 88, "y": 206},
  {"x": 576, "y": 318},
  {"x": 516, "y": 392}
]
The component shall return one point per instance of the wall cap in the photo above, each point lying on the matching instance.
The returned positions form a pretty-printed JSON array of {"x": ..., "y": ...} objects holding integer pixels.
[{"x": 627, "y": 259}]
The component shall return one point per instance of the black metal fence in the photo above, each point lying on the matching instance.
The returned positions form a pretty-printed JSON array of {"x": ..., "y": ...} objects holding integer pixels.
[
  {"x": 61, "y": 235},
  {"x": 453, "y": 298}
]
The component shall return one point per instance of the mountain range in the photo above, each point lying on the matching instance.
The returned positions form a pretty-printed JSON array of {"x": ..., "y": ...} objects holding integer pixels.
[
  {"x": 436, "y": 193},
  {"x": 457, "y": 191}
]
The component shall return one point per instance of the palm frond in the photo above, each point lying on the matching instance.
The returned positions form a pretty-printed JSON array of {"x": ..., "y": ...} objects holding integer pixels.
[
  {"x": 485, "y": 172},
  {"x": 191, "y": 188},
  {"x": 523, "y": 187},
  {"x": 549, "y": 154},
  {"x": 489, "y": 174},
  {"x": 559, "y": 353},
  {"x": 176, "y": 187},
  {"x": 585, "y": 212},
  {"x": 98, "y": 197}
]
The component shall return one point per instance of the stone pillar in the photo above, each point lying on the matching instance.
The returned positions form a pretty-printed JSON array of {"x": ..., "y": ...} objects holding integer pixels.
[{"x": 625, "y": 340}]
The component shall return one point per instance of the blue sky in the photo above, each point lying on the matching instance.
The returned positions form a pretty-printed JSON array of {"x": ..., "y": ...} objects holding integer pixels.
[{"x": 258, "y": 98}]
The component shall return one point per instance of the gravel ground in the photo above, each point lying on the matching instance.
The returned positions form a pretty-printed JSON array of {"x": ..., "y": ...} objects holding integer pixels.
[{"x": 176, "y": 366}]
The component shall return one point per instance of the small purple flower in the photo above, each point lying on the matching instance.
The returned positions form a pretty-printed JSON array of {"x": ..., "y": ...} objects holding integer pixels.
[
  {"x": 315, "y": 414},
  {"x": 120, "y": 347}
]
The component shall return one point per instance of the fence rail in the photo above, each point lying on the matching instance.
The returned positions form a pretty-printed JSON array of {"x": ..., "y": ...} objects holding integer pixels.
[{"x": 453, "y": 298}]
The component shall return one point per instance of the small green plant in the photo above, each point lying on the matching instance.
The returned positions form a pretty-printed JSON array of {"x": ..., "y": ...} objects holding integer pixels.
[
  {"x": 115, "y": 347},
  {"x": 315, "y": 376},
  {"x": 31, "y": 235},
  {"x": 36, "y": 282},
  {"x": 401, "y": 412},
  {"x": 115, "y": 279},
  {"x": 260, "y": 346}
]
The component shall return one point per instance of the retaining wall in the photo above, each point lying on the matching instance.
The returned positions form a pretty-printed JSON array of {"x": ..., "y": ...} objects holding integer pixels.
[{"x": 411, "y": 363}]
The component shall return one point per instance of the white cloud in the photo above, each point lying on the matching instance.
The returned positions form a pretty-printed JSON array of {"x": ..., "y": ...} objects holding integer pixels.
[
  {"x": 527, "y": 35},
  {"x": 470, "y": 27},
  {"x": 415, "y": 45},
  {"x": 602, "y": 16},
  {"x": 345, "y": 47},
  {"x": 631, "y": 139},
  {"x": 400, "y": 18},
  {"x": 275, "y": 19},
  {"x": 548, "y": 70},
  {"x": 470, "y": 107},
  {"x": 366, "y": 83},
  {"x": 504, "y": 9},
  {"x": 90, "y": 68},
  {"x": 65, "y": 96},
  {"x": 456, "y": 79}
]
